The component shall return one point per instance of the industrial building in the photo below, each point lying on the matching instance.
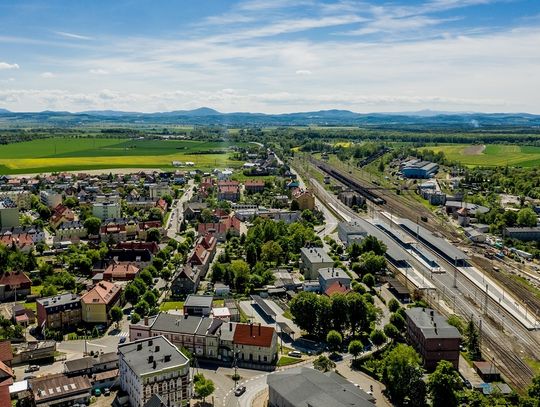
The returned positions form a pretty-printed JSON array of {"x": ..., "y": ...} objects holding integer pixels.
[
  {"x": 419, "y": 169},
  {"x": 524, "y": 234}
]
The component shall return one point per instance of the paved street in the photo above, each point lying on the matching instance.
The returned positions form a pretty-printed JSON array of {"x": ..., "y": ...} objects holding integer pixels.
[{"x": 177, "y": 212}]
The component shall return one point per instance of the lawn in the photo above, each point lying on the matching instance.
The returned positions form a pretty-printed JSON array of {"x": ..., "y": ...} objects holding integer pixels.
[
  {"x": 287, "y": 360},
  {"x": 30, "y": 305},
  {"x": 492, "y": 155},
  {"x": 171, "y": 305},
  {"x": 64, "y": 153},
  {"x": 36, "y": 289}
]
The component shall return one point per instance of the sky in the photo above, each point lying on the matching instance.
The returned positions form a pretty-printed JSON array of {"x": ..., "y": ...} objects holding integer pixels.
[{"x": 270, "y": 56}]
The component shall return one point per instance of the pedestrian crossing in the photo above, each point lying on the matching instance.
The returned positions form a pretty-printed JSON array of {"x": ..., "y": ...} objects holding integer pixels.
[{"x": 122, "y": 334}]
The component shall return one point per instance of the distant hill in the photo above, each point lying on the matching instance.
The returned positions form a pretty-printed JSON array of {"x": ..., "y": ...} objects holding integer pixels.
[{"x": 206, "y": 116}]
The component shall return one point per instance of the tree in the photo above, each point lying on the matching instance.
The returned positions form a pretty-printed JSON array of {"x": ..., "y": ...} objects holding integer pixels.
[
  {"x": 48, "y": 291},
  {"x": 135, "y": 318},
  {"x": 203, "y": 387},
  {"x": 92, "y": 225},
  {"x": 240, "y": 270},
  {"x": 71, "y": 202},
  {"x": 271, "y": 251},
  {"x": 146, "y": 276},
  {"x": 398, "y": 321},
  {"x": 371, "y": 263},
  {"x": 142, "y": 308},
  {"x": 304, "y": 308},
  {"x": 334, "y": 340},
  {"x": 393, "y": 305},
  {"x": 356, "y": 348},
  {"x": 340, "y": 308},
  {"x": 443, "y": 384},
  {"x": 369, "y": 280},
  {"x": 377, "y": 337},
  {"x": 167, "y": 198},
  {"x": 153, "y": 235},
  {"x": 150, "y": 298},
  {"x": 323, "y": 364},
  {"x": 526, "y": 217},
  {"x": 372, "y": 244},
  {"x": 165, "y": 274},
  {"x": 360, "y": 313},
  {"x": 131, "y": 293},
  {"x": 116, "y": 314},
  {"x": 354, "y": 251},
  {"x": 391, "y": 331},
  {"x": 402, "y": 374},
  {"x": 473, "y": 341}
]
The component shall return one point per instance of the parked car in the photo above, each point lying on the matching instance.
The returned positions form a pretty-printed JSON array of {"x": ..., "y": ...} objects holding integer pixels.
[
  {"x": 467, "y": 383},
  {"x": 97, "y": 392},
  {"x": 295, "y": 354},
  {"x": 106, "y": 391},
  {"x": 122, "y": 339},
  {"x": 239, "y": 391},
  {"x": 31, "y": 368},
  {"x": 28, "y": 377}
]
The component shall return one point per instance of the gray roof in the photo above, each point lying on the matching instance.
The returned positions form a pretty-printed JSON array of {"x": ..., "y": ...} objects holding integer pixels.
[
  {"x": 316, "y": 255},
  {"x": 442, "y": 246},
  {"x": 138, "y": 357},
  {"x": 226, "y": 332},
  {"x": 155, "y": 401},
  {"x": 352, "y": 228},
  {"x": 58, "y": 300},
  {"x": 431, "y": 323},
  {"x": 328, "y": 273},
  {"x": 535, "y": 229},
  {"x": 184, "y": 324},
  {"x": 193, "y": 300},
  {"x": 469, "y": 206},
  {"x": 76, "y": 365},
  {"x": 312, "y": 388}
]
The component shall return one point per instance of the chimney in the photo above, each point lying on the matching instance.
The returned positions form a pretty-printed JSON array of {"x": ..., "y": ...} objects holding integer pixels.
[
  {"x": 230, "y": 326},
  {"x": 145, "y": 321}
]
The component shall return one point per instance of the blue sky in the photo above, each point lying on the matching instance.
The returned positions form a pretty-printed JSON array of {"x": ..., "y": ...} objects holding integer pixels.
[{"x": 270, "y": 55}]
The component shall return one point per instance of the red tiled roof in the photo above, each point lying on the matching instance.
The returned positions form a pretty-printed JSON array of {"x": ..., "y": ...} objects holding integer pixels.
[
  {"x": 14, "y": 278},
  {"x": 228, "y": 184},
  {"x": 336, "y": 287},
  {"x": 103, "y": 293},
  {"x": 123, "y": 270},
  {"x": 20, "y": 240},
  {"x": 254, "y": 335},
  {"x": 6, "y": 354},
  {"x": 254, "y": 183},
  {"x": 150, "y": 246}
]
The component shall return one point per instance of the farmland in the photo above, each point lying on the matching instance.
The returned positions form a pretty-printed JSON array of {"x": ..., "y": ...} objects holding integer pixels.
[
  {"x": 491, "y": 155},
  {"x": 84, "y": 153}
]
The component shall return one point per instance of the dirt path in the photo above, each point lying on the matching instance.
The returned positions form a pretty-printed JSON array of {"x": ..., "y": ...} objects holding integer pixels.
[{"x": 476, "y": 149}]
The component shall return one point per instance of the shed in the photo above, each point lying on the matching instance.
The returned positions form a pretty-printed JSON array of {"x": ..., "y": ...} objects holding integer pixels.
[{"x": 487, "y": 371}]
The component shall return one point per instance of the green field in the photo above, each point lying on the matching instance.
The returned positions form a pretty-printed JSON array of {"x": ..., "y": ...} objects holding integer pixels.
[
  {"x": 492, "y": 155},
  {"x": 69, "y": 154}
]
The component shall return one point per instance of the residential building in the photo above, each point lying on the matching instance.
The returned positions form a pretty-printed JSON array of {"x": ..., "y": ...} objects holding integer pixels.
[
  {"x": 22, "y": 198},
  {"x": 228, "y": 191},
  {"x": 36, "y": 234},
  {"x": 154, "y": 366},
  {"x": 59, "y": 311},
  {"x": 255, "y": 343},
  {"x": 186, "y": 281},
  {"x": 312, "y": 259},
  {"x": 6, "y": 380},
  {"x": 254, "y": 186},
  {"x": 121, "y": 271},
  {"x": 313, "y": 388},
  {"x": 73, "y": 231},
  {"x": 156, "y": 191},
  {"x": 61, "y": 214},
  {"x": 6, "y": 353},
  {"x": 9, "y": 213},
  {"x": 203, "y": 253},
  {"x": 193, "y": 210},
  {"x": 14, "y": 285},
  {"x": 22, "y": 315},
  {"x": 106, "y": 210},
  {"x": 432, "y": 337},
  {"x": 331, "y": 275},
  {"x": 219, "y": 230},
  {"x": 58, "y": 390},
  {"x": 198, "y": 305},
  {"x": 23, "y": 242},
  {"x": 304, "y": 198},
  {"x": 351, "y": 198},
  {"x": 91, "y": 365},
  {"x": 97, "y": 302},
  {"x": 50, "y": 198},
  {"x": 32, "y": 351},
  {"x": 221, "y": 290}
]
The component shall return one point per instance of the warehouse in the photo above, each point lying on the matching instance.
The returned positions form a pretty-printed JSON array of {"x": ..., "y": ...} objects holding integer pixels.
[{"x": 419, "y": 169}]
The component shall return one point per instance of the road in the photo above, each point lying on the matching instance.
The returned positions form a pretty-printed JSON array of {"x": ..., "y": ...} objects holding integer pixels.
[{"x": 177, "y": 211}]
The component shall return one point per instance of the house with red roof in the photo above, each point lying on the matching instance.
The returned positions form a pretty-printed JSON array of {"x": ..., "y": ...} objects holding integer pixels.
[
  {"x": 121, "y": 271},
  {"x": 254, "y": 186},
  {"x": 22, "y": 241},
  {"x": 219, "y": 230},
  {"x": 61, "y": 214},
  {"x": 228, "y": 191},
  {"x": 162, "y": 205},
  {"x": 304, "y": 198},
  {"x": 14, "y": 285},
  {"x": 256, "y": 343},
  {"x": 6, "y": 380},
  {"x": 336, "y": 287},
  {"x": 97, "y": 302},
  {"x": 6, "y": 353}
]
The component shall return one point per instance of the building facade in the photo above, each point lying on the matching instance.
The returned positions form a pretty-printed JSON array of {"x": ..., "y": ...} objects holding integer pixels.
[{"x": 58, "y": 311}]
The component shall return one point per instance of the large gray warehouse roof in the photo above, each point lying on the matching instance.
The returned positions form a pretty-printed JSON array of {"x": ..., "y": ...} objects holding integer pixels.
[{"x": 445, "y": 248}]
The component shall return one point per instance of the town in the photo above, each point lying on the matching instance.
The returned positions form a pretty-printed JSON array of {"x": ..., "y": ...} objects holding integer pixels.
[{"x": 240, "y": 287}]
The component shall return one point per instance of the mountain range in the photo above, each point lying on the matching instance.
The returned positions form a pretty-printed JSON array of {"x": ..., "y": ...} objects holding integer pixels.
[{"x": 334, "y": 117}]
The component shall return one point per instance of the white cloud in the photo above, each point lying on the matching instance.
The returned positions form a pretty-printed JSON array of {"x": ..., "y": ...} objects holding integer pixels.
[
  {"x": 73, "y": 36},
  {"x": 303, "y": 72},
  {"x": 47, "y": 75},
  {"x": 99, "y": 71},
  {"x": 5, "y": 65}
]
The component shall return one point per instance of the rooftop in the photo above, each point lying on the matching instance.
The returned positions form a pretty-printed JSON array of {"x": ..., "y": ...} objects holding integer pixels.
[
  {"x": 316, "y": 255},
  {"x": 152, "y": 354},
  {"x": 58, "y": 300},
  {"x": 193, "y": 300},
  {"x": 312, "y": 388},
  {"x": 254, "y": 335},
  {"x": 58, "y": 386},
  {"x": 431, "y": 323},
  {"x": 103, "y": 293}
]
